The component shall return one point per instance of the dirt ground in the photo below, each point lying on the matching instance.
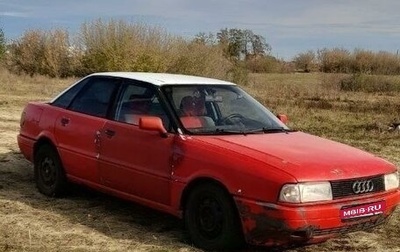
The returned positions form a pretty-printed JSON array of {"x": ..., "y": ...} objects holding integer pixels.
[{"x": 89, "y": 221}]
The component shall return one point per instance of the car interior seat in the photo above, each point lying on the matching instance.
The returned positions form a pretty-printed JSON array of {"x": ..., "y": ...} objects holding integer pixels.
[{"x": 193, "y": 113}]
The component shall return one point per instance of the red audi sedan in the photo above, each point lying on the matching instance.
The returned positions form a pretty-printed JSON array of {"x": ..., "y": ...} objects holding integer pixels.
[{"x": 204, "y": 150}]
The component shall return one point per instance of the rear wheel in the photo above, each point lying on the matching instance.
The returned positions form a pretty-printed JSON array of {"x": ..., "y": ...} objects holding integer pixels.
[
  {"x": 211, "y": 218},
  {"x": 49, "y": 174}
]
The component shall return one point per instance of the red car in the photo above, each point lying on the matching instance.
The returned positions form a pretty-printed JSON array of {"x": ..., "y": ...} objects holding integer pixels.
[{"x": 204, "y": 150}]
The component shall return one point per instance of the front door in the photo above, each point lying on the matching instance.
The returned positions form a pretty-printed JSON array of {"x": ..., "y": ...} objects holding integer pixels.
[{"x": 135, "y": 161}]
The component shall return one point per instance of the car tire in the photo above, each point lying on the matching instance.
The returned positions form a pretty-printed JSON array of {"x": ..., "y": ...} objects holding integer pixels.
[
  {"x": 211, "y": 219},
  {"x": 49, "y": 174}
]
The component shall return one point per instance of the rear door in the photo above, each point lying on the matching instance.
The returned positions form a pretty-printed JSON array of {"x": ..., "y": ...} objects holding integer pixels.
[{"x": 78, "y": 127}]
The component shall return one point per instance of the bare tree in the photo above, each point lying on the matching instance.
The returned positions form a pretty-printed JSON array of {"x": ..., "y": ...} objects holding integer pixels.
[
  {"x": 240, "y": 44},
  {"x": 305, "y": 61},
  {"x": 204, "y": 38}
]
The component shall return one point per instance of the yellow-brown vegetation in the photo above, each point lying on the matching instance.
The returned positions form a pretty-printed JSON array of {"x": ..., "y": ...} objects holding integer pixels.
[{"x": 117, "y": 45}]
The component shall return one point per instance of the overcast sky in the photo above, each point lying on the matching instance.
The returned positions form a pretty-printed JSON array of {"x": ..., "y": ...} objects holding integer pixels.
[{"x": 289, "y": 26}]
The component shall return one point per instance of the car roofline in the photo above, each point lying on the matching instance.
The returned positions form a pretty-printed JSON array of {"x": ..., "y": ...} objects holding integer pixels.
[
  {"x": 158, "y": 79},
  {"x": 161, "y": 79}
]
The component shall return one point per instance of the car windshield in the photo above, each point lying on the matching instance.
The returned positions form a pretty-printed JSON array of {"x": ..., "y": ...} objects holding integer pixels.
[{"x": 220, "y": 109}]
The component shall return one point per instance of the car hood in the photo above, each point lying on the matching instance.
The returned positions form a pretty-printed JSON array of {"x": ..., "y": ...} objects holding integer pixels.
[{"x": 304, "y": 156}]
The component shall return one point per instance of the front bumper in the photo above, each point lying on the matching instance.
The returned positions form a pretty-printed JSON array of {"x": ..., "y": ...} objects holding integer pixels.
[{"x": 269, "y": 224}]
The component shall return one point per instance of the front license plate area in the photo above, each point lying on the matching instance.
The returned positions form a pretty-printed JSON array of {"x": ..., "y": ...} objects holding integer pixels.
[{"x": 364, "y": 210}]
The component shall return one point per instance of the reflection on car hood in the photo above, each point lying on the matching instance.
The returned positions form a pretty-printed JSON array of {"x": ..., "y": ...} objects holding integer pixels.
[{"x": 305, "y": 156}]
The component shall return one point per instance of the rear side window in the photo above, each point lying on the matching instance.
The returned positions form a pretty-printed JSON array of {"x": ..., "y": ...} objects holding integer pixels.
[
  {"x": 65, "y": 98},
  {"x": 95, "y": 98}
]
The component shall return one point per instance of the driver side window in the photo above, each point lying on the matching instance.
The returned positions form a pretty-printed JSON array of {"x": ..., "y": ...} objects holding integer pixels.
[{"x": 136, "y": 101}]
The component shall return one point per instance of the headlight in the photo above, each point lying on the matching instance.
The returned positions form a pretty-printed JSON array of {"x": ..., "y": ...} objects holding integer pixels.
[
  {"x": 306, "y": 192},
  {"x": 391, "y": 181}
]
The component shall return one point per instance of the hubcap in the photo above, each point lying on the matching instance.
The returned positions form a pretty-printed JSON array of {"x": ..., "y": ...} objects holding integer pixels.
[
  {"x": 209, "y": 218},
  {"x": 47, "y": 171}
]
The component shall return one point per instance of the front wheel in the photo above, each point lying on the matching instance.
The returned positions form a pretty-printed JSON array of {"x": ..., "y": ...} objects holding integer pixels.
[
  {"x": 49, "y": 174},
  {"x": 211, "y": 219}
]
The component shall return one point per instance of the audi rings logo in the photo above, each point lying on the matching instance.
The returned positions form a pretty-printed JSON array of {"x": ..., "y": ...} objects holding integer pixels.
[{"x": 363, "y": 186}]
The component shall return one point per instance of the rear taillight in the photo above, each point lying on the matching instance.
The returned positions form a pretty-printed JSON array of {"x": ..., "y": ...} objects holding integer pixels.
[{"x": 22, "y": 120}]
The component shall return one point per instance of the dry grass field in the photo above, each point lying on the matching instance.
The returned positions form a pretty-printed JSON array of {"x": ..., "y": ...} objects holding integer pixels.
[{"x": 89, "y": 221}]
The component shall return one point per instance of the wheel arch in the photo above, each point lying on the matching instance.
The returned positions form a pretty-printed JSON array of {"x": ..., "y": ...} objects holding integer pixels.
[
  {"x": 49, "y": 172},
  {"x": 198, "y": 182},
  {"x": 236, "y": 237},
  {"x": 41, "y": 142}
]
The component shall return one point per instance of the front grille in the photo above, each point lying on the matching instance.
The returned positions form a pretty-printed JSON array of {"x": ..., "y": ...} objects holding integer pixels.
[
  {"x": 344, "y": 188},
  {"x": 351, "y": 228}
]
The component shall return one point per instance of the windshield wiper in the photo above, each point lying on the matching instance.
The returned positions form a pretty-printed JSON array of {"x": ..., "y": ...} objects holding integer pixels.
[
  {"x": 219, "y": 131},
  {"x": 253, "y": 131},
  {"x": 271, "y": 130},
  {"x": 244, "y": 131},
  {"x": 225, "y": 131}
]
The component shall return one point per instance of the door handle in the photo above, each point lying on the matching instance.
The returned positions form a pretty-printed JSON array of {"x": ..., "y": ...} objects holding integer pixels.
[
  {"x": 109, "y": 133},
  {"x": 64, "y": 121}
]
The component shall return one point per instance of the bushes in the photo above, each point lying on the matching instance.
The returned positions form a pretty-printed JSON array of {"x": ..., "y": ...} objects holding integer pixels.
[
  {"x": 41, "y": 52},
  {"x": 200, "y": 59},
  {"x": 370, "y": 83},
  {"x": 375, "y": 63},
  {"x": 338, "y": 60},
  {"x": 119, "y": 46},
  {"x": 116, "y": 46},
  {"x": 263, "y": 64},
  {"x": 305, "y": 61}
]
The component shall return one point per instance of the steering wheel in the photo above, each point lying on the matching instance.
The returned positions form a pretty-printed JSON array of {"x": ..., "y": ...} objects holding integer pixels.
[{"x": 230, "y": 119}]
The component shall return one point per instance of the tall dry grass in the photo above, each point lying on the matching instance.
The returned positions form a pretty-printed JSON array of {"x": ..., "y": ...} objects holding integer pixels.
[
  {"x": 19, "y": 89},
  {"x": 371, "y": 83}
]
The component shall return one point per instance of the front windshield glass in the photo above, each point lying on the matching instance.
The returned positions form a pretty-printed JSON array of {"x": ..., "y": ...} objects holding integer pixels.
[{"x": 220, "y": 109}]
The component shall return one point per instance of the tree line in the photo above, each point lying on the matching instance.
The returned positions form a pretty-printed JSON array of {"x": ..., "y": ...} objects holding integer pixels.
[
  {"x": 339, "y": 60},
  {"x": 115, "y": 45}
]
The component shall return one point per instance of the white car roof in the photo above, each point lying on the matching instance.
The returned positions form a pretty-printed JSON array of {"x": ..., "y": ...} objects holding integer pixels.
[{"x": 160, "y": 79}]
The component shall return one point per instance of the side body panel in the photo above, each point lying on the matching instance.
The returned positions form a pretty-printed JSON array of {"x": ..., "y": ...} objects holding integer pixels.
[
  {"x": 77, "y": 141},
  {"x": 136, "y": 161}
]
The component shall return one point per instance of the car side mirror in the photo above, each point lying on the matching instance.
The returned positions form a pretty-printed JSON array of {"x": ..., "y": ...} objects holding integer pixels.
[
  {"x": 283, "y": 118},
  {"x": 152, "y": 123}
]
